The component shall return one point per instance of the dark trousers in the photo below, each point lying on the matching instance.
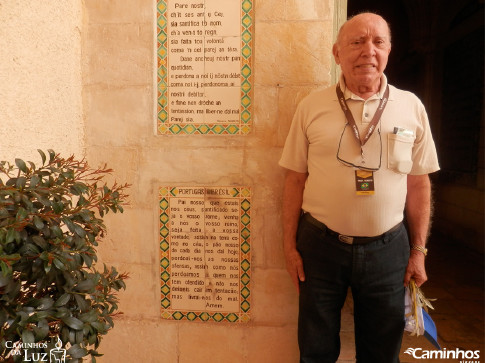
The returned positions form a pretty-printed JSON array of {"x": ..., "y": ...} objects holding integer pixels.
[{"x": 375, "y": 274}]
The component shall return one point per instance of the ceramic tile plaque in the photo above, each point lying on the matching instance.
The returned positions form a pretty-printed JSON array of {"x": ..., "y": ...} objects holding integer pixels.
[
  {"x": 205, "y": 253},
  {"x": 204, "y": 76}
]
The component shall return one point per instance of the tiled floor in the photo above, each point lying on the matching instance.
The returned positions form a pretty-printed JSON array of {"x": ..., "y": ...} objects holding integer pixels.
[{"x": 456, "y": 280}]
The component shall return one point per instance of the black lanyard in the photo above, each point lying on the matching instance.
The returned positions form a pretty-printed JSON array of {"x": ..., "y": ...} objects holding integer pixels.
[{"x": 350, "y": 118}]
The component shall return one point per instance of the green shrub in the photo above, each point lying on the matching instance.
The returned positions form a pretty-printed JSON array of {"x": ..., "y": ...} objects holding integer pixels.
[{"x": 50, "y": 224}]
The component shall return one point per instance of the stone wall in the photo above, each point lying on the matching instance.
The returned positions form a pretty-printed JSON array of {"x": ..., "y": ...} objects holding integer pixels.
[
  {"x": 292, "y": 56},
  {"x": 40, "y": 78}
]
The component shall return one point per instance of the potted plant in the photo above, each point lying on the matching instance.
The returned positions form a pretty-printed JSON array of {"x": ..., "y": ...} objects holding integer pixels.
[{"x": 52, "y": 298}]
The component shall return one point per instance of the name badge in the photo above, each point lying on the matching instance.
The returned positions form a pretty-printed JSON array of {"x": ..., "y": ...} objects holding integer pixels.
[{"x": 364, "y": 182}]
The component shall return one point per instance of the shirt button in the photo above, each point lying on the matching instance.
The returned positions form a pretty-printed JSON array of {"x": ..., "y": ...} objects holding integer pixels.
[{"x": 366, "y": 114}]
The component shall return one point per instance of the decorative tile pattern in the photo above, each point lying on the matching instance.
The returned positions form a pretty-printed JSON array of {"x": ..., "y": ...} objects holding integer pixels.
[
  {"x": 167, "y": 124},
  {"x": 170, "y": 201}
]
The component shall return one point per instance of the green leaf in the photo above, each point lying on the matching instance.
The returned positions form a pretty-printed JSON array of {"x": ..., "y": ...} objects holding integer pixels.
[
  {"x": 34, "y": 180},
  {"x": 47, "y": 266},
  {"x": 88, "y": 260},
  {"x": 63, "y": 300},
  {"x": 10, "y": 235},
  {"x": 73, "y": 322},
  {"x": 28, "y": 336},
  {"x": 85, "y": 286},
  {"x": 62, "y": 313},
  {"x": 42, "y": 155},
  {"x": 100, "y": 327},
  {"x": 41, "y": 330},
  {"x": 38, "y": 222},
  {"x": 21, "y": 214},
  {"x": 77, "y": 352},
  {"x": 58, "y": 207},
  {"x": 52, "y": 154},
  {"x": 40, "y": 241},
  {"x": 6, "y": 270},
  {"x": 4, "y": 280},
  {"x": 82, "y": 303},
  {"x": 45, "y": 303},
  {"x": 56, "y": 231},
  {"x": 20, "y": 183},
  {"x": 89, "y": 317},
  {"x": 29, "y": 249},
  {"x": 59, "y": 264},
  {"x": 21, "y": 165},
  {"x": 65, "y": 334},
  {"x": 79, "y": 231},
  {"x": 45, "y": 201}
]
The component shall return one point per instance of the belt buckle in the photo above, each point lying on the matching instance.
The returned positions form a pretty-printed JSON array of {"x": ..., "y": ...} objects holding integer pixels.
[{"x": 346, "y": 239}]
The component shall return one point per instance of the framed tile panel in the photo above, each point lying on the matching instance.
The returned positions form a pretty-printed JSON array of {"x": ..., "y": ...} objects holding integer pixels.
[
  {"x": 204, "y": 67},
  {"x": 205, "y": 253}
]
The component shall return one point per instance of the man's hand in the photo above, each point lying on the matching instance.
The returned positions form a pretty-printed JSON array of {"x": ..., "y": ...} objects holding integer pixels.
[
  {"x": 292, "y": 200},
  {"x": 415, "y": 269},
  {"x": 294, "y": 266}
]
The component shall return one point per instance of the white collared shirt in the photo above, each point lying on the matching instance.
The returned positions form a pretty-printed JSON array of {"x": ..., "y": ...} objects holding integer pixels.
[{"x": 330, "y": 193}]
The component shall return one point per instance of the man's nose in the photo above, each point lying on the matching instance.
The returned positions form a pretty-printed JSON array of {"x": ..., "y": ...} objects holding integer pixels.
[{"x": 368, "y": 49}]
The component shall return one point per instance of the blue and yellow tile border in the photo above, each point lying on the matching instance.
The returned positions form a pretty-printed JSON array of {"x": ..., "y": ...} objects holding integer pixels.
[
  {"x": 243, "y": 195},
  {"x": 164, "y": 127}
]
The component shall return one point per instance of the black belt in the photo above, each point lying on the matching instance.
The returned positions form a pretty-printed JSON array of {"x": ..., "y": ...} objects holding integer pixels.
[{"x": 351, "y": 240}]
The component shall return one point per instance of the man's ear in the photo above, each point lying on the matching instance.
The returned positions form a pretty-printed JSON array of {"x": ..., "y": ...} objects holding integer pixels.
[{"x": 335, "y": 53}]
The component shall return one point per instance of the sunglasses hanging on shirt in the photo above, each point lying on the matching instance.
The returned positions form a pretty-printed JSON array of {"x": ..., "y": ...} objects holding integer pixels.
[{"x": 364, "y": 175}]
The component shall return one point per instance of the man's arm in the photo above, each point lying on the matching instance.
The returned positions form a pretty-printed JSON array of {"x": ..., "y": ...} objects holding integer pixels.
[
  {"x": 418, "y": 213},
  {"x": 292, "y": 201}
]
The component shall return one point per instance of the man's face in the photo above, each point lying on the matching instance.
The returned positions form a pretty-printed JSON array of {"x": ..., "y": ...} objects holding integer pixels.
[{"x": 362, "y": 51}]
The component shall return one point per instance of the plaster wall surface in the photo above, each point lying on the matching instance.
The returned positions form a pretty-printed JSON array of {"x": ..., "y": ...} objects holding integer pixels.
[
  {"x": 292, "y": 56},
  {"x": 40, "y": 78}
]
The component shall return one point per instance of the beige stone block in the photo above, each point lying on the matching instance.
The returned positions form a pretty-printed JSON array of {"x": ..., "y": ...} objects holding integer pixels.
[
  {"x": 288, "y": 100},
  {"x": 267, "y": 249},
  {"x": 114, "y": 11},
  {"x": 211, "y": 343},
  {"x": 118, "y": 117},
  {"x": 309, "y": 10},
  {"x": 273, "y": 344},
  {"x": 131, "y": 237},
  {"x": 261, "y": 165},
  {"x": 141, "y": 299},
  {"x": 293, "y": 53},
  {"x": 122, "y": 161},
  {"x": 40, "y": 92},
  {"x": 183, "y": 164},
  {"x": 265, "y": 115},
  {"x": 274, "y": 10},
  {"x": 266, "y": 228},
  {"x": 274, "y": 298},
  {"x": 269, "y": 10},
  {"x": 118, "y": 54},
  {"x": 140, "y": 340}
]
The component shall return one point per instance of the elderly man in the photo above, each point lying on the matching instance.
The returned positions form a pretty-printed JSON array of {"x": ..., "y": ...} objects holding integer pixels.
[{"x": 356, "y": 155}]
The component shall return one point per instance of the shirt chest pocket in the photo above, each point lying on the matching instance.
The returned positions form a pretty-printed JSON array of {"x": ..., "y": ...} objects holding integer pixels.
[{"x": 399, "y": 153}]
